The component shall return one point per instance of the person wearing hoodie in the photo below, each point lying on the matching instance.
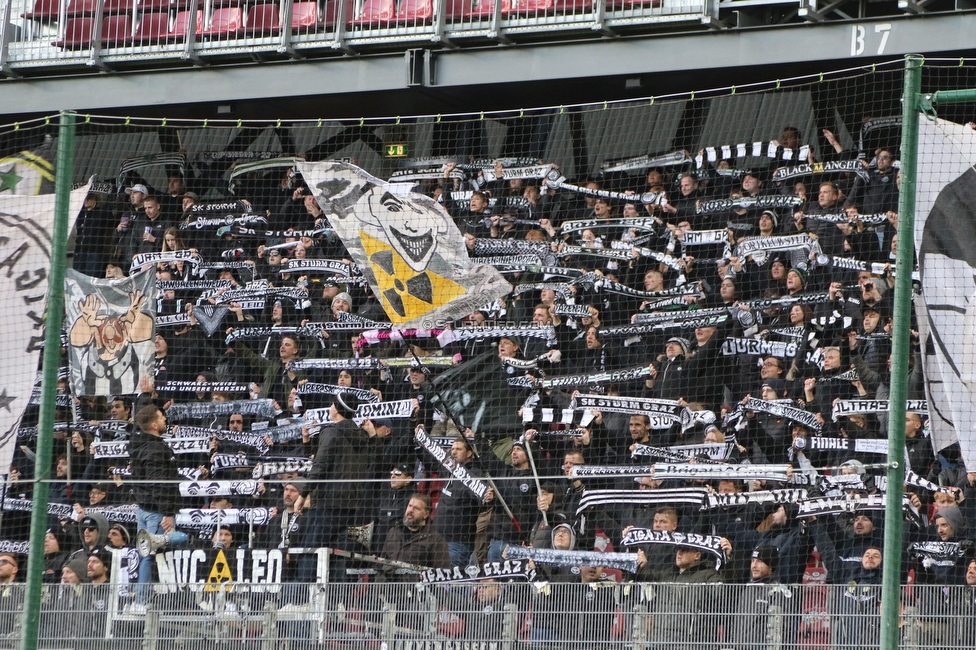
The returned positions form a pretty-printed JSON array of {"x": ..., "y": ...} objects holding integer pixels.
[
  {"x": 937, "y": 573},
  {"x": 93, "y": 533}
]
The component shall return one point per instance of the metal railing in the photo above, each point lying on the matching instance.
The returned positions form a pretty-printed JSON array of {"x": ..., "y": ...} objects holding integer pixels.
[
  {"x": 492, "y": 615},
  {"x": 138, "y": 33}
]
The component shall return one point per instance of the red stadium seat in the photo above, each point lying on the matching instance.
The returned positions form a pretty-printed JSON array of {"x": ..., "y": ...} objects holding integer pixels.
[
  {"x": 486, "y": 8},
  {"x": 536, "y": 7},
  {"x": 117, "y": 6},
  {"x": 226, "y": 21},
  {"x": 304, "y": 15},
  {"x": 375, "y": 12},
  {"x": 182, "y": 23},
  {"x": 263, "y": 19},
  {"x": 77, "y": 34},
  {"x": 81, "y": 8},
  {"x": 152, "y": 28},
  {"x": 117, "y": 30},
  {"x": 330, "y": 14},
  {"x": 43, "y": 10}
]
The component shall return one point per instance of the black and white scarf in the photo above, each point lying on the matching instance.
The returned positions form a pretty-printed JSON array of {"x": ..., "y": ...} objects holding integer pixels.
[
  {"x": 229, "y": 461},
  {"x": 688, "y": 289},
  {"x": 645, "y": 161},
  {"x": 667, "y": 410},
  {"x": 552, "y": 557},
  {"x": 510, "y": 263},
  {"x": 173, "y": 320},
  {"x": 777, "y": 408},
  {"x": 202, "y": 387},
  {"x": 120, "y": 448},
  {"x": 763, "y": 244},
  {"x": 621, "y": 223},
  {"x": 689, "y": 472},
  {"x": 339, "y": 267},
  {"x": 769, "y": 149},
  {"x": 508, "y": 569},
  {"x": 571, "y": 250},
  {"x": 193, "y": 285},
  {"x": 259, "y": 407},
  {"x": 425, "y": 174},
  {"x": 787, "y": 301},
  {"x": 18, "y": 548},
  {"x": 843, "y": 217},
  {"x": 548, "y": 415},
  {"x": 716, "y": 451},
  {"x": 809, "y": 169},
  {"x": 252, "y": 439},
  {"x": 177, "y": 160},
  {"x": 331, "y": 389},
  {"x": 615, "y": 377},
  {"x": 849, "y": 375},
  {"x": 711, "y": 544},
  {"x": 942, "y": 554},
  {"x": 664, "y": 317},
  {"x": 484, "y": 247},
  {"x": 670, "y": 497},
  {"x": 546, "y": 332},
  {"x": 237, "y": 295},
  {"x": 748, "y": 202},
  {"x": 186, "y": 255},
  {"x": 282, "y": 466},
  {"x": 733, "y": 499},
  {"x": 218, "y": 488},
  {"x": 204, "y": 518},
  {"x": 780, "y": 349},
  {"x": 240, "y": 217},
  {"x": 367, "y": 363},
  {"x": 673, "y": 323},
  {"x": 458, "y": 472},
  {"x": 845, "y": 407},
  {"x": 396, "y": 409}
]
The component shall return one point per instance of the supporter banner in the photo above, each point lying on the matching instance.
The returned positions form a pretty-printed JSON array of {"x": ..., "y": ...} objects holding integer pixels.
[
  {"x": 521, "y": 172},
  {"x": 425, "y": 173},
  {"x": 218, "y": 488},
  {"x": 19, "y": 548},
  {"x": 610, "y": 470},
  {"x": 146, "y": 259},
  {"x": 475, "y": 394},
  {"x": 718, "y": 472},
  {"x": 110, "y": 332},
  {"x": 843, "y": 217},
  {"x": 259, "y": 407},
  {"x": 615, "y": 377},
  {"x": 763, "y": 244},
  {"x": 476, "y": 486},
  {"x": 563, "y": 290},
  {"x": 551, "y": 557},
  {"x": 207, "y": 570},
  {"x": 761, "y": 348},
  {"x": 379, "y": 410},
  {"x": 555, "y": 181},
  {"x": 26, "y": 225},
  {"x": 711, "y": 544},
  {"x": 645, "y": 161},
  {"x": 252, "y": 439},
  {"x": 669, "y": 497},
  {"x": 809, "y": 169},
  {"x": 748, "y": 202},
  {"x": 202, "y": 387},
  {"x": 704, "y": 237},
  {"x": 262, "y": 165},
  {"x": 338, "y": 267},
  {"x": 510, "y": 262},
  {"x": 177, "y": 160},
  {"x": 193, "y": 285},
  {"x": 219, "y": 206},
  {"x": 845, "y": 407},
  {"x": 563, "y": 433},
  {"x": 595, "y": 224},
  {"x": 503, "y": 571},
  {"x": 712, "y": 450},
  {"x": 732, "y": 499},
  {"x": 283, "y": 466},
  {"x": 572, "y": 311},
  {"x": 210, "y": 317},
  {"x": 202, "y": 518},
  {"x": 332, "y": 389},
  {"x": 791, "y": 332},
  {"x": 62, "y": 401},
  {"x": 945, "y": 229},
  {"x": 407, "y": 246},
  {"x": 778, "y": 409}
]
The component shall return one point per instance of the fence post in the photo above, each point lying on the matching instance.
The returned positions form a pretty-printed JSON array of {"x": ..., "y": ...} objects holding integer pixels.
[
  {"x": 49, "y": 384},
  {"x": 901, "y": 336}
]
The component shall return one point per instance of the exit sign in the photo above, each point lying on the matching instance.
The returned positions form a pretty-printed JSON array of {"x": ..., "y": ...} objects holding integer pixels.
[{"x": 397, "y": 150}]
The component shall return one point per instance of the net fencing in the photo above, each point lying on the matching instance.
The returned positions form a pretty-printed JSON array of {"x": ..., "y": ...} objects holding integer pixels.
[{"x": 518, "y": 327}]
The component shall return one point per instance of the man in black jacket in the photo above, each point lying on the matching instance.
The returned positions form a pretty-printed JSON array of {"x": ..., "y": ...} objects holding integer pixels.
[
  {"x": 155, "y": 477},
  {"x": 345, "y": 455},
  {"x": 414, "y": 542}
]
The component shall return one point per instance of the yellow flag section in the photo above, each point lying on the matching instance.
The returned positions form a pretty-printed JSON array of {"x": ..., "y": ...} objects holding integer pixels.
[{"x": 215, "y": 570}]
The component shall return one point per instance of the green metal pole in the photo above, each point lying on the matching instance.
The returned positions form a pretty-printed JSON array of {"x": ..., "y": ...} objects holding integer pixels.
[
  {"x": 49, "y": 384},
  {"x": 954, "y": 96},
  {"x": 901, "y": 337}
]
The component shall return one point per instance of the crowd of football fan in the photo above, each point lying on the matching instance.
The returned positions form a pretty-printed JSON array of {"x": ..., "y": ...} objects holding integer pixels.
[{"x": 424, "y": 516}]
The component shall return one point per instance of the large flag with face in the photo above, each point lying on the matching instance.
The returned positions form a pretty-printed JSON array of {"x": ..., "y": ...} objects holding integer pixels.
[
  {"x": 110, "y": 332},
  {"x": 26, "y": 226},
  {"x": 409, "y": 249},
  {"x": 945, "y": 239}
]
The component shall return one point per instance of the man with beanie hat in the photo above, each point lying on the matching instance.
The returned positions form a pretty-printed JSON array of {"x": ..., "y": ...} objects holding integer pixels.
[
  {"x": 74, "y": 572},
  {"x": 765, "y": 608},
  {"x": 796, "y": 280},
  {"x": 345, "y": 455}
]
